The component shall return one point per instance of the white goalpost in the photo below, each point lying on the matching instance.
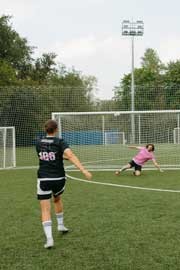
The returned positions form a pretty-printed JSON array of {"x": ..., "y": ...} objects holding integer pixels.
[
  {"x": 7, "y": 147},
  {"x": 100, "y": 139},
  {"x": 176, "y": 135}
]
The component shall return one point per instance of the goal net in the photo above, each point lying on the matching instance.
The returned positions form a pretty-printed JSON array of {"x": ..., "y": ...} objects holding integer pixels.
[
  {"x": 100, "y": 139},
  {"x": 7, "y": 147}
]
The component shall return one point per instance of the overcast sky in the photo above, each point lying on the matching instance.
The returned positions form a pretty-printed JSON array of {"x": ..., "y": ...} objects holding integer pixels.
[{"x": 86, "y": 34}]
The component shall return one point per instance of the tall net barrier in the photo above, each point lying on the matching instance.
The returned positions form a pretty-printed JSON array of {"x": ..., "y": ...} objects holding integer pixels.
[
  {"x": 26, "y": 108},
  {"x": 100, "y": 137}
]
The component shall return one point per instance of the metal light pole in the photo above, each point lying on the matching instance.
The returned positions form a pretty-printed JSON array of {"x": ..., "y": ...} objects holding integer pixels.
[{"x": 132, "y": 29}]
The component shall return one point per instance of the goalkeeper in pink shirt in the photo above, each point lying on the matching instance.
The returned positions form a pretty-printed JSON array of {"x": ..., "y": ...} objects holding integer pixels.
[{"x": 144, "y": 154}]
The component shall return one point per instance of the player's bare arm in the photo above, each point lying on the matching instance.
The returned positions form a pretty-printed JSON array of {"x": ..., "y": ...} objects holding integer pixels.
[
  {"x": 68, "y": 154},
  {"x": 157, "y": 165},
  {"x": 134, "y": 147}
]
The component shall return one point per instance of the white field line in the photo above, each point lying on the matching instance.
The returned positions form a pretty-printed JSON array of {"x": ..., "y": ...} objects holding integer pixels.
[
  {"x": 123, "y": 186},
  {"x": 102, "y": 183}
]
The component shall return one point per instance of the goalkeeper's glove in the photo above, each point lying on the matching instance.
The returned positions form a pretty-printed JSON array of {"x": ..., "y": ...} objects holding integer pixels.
[{"x": 161, "y": 170}]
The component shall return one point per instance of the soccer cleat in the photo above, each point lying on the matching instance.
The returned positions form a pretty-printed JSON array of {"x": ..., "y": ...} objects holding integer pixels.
[
  {"x": 117, "y": 172},
  {"x": 62, "y": 228},
  {"x": 50, "y": 243}
]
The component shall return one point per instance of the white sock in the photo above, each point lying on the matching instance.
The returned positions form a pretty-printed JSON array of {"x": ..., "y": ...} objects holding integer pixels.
[
  {"x": 59, "y": 217},
  {"x": 47, "y": 226},
  {"x": 123, "y": 169}
]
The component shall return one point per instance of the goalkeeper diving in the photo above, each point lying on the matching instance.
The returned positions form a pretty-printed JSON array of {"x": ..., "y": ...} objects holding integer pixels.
[{"x": 145, "y": 153}]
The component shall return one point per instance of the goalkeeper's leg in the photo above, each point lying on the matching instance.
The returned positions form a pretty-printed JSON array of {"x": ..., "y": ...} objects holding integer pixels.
[{"x": 126, "y": 167}]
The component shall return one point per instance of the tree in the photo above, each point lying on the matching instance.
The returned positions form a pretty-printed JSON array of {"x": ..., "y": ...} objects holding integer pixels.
[
  {"x": 7, "y": 74},
  {"x": 13, "y": 49},
  {"x": 22, "y": 109},
  {"x": 76, "y": 89},
  {"x": 148, "y": 85},
  {"x": 37, "y": 81},
  {"x": 172, "y": 84},
  {"x": 44, "y": 68},
  {"x": 151, "y": 61},
  {"x": 173, "y": 73}
]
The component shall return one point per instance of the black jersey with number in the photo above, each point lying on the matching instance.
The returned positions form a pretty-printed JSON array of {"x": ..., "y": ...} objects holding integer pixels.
[{"x": 50, "y": 152}]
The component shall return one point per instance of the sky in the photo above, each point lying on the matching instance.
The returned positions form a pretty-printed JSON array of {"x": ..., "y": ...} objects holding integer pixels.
[{"x": 86, "y": 34}]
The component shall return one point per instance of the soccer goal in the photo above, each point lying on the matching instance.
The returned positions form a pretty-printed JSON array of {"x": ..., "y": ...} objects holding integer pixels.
[
  {"x": 100, "y": 139},
  {"x": 7, "y": 147}
]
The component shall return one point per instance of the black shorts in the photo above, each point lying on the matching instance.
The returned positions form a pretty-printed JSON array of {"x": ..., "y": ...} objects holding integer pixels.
[
  {"x": 136, "y": 166},
  {"x": 47, "y": 188}
]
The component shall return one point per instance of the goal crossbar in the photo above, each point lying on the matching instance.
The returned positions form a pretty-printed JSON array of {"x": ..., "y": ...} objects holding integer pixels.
[{"x": 116, "y": 113}]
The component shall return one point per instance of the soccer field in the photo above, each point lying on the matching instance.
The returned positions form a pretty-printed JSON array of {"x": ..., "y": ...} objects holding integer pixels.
[
  {"x": 105, "y": 156},
  {"x": 111, "y": 227}
]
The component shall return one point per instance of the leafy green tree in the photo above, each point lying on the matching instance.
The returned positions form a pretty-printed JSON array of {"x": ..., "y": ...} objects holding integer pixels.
[
  {"x": 106, "y": 105},
  {"x": 21, "y": 109},
  {"x": 148, "y": 85},
  {"x": 31, "y": 89},
  {"x": 13, "y": 49},
  {"x": 7, "y": 74},
  {"x": 76, "y": 90},
  {"x": 44, "y": 68},
  {"x": 151, "y": 61},
  {"x": 172, "y": 84},
  {"x": 173, "y": 73},
  {"x": 17, "y": 55}
]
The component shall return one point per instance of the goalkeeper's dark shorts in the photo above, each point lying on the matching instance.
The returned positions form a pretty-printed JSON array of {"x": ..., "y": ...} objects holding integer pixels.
[
  {"x": 47, "y": 188},
  {"x": 135, "y": 166}
]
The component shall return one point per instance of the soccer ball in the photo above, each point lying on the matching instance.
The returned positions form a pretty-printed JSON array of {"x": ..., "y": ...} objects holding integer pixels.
[{"x": 117, "y": 173}]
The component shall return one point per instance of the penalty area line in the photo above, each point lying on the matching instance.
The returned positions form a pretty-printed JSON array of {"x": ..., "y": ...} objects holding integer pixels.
[{"x": 123, "y": 186}]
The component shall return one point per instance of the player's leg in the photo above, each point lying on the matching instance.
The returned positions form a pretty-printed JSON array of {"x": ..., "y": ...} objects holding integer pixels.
[
  {"x": 46, "y": 222},
  {"x": 44, "y": 195},
  {"x": 58, "y": 207},
  {"x": 58, "y": 189},
  {"x": 137, "y": 171},
  {"x": 45, "y": 210},
  {"x": 126, "y": 167}
]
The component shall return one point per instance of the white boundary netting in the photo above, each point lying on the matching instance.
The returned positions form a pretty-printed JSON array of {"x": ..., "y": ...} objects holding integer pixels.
[{"x": 98, "y": 132}]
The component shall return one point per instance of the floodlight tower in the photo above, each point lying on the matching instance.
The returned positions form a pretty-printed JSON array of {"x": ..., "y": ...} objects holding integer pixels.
[{"x": 131, "y": 28}]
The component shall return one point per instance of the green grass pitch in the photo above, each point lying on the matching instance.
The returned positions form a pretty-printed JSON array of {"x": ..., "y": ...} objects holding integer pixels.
[
  {"x": 113, "y": 155},
  {"x": 111, "y": 227}
]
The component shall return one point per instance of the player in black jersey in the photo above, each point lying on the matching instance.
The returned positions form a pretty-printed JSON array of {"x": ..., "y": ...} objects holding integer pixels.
[{"x": 51, "y": 177}]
